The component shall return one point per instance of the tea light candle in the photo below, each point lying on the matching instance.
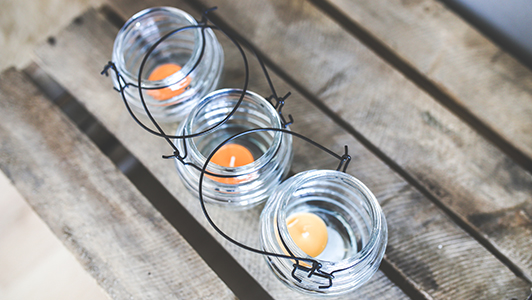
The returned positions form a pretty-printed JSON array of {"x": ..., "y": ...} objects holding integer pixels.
[
  {"x": 162, "y": 72},
  {"x": 231, "y": 155},
  {"x": 309, "y": 232}
]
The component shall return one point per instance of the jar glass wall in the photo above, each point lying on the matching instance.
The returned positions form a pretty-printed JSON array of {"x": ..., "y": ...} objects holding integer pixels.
[
  {"x": 167, "y": 90},
  {"x": 355, "y": 238},
  {"x": 269, "y": 154}
]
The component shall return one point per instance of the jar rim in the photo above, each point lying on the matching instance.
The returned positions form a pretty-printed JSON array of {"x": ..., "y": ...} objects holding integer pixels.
[
  {"x": 177, "y": 76},
  {"x": 290, "y": 186},
  {"x": 264, "y": 159}
]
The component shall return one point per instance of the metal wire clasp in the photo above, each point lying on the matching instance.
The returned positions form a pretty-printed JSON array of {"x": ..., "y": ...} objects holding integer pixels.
[
  {"x": 176, "y": 155},
  {"x": 121, "y": 81},
  {"x": 344, "y": 160},
  {"x": 279, "y": 104},
  {"x": 314, "y": 270},
  {"x": 204, "y": 18}
]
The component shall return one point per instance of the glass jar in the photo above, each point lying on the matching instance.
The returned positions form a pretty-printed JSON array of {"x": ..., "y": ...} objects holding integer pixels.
[
  {"x": 167, "y": 90},
  {"x": 270, "y": 152},
  {"x": 355, "y": 224}
]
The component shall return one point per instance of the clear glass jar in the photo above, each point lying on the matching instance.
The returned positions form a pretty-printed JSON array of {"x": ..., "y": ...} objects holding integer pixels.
[
  {"x": 168, "y": 98},
  {"x": 356, "y": 227},
  {"x": 272, "y": 153}
]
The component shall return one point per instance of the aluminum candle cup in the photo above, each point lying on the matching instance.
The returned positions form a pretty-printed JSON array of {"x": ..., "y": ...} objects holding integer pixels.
[
  {"x": 257, "y": 161},
  {"x": 355, "y": 238},
  {"x": 168, "y": 92}
]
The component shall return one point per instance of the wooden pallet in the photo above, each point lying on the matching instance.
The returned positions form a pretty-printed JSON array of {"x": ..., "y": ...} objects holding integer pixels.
[{"x": 446, "y": 157}]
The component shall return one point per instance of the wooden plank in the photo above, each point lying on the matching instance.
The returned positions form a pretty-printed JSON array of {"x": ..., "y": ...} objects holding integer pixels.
[
  {"x": 409, "y": 237},
  {"x": 422, "y": 140},
  {"x": 80, "y": 50},
  {"x": 113, "y": 231},
  {"x": 459, "y": 60}
]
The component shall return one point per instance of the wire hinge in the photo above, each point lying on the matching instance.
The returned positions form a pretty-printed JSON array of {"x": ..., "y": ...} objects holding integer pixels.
[
  {"x": 121, "y": 82},
  {"x": 313, "y": 271},
  {"x": 204, "y": 18},
  {"x": 279, "y": 104},
  {"x": 176, "y": 155},
  {"x": 344, "y": 160}
]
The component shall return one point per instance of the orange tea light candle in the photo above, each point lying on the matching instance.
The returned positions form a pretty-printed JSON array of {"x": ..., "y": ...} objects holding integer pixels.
[
  {"x": 231, "y": 156},
  {"x": 163, "y": 71},
  {"x": 309, "y": 232}
]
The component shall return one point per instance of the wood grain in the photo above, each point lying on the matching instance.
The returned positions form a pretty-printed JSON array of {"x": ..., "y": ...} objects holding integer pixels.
[
  {"x": 95, "y": 211},
  {"x": 430, "y": 146},
  {"x": 462, "y": 62},
  {"x": 415, "y": 238}
]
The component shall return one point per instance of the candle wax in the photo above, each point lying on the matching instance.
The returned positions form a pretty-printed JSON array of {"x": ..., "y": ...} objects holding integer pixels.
[
  {"x": 309, "y": 232},
  {"x": 162, "y": 72},
  {"x": 231, "y": 156}
]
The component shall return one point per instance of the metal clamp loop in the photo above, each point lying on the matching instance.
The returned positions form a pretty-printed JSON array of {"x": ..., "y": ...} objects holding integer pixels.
[
  {"x": 344, "y": 160},
  {"x": 279, "y": 104},
  {"x": 315, "y": 270}
]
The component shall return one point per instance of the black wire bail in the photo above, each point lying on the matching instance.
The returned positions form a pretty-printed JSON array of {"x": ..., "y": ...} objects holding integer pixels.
[
  {"x": 316, "y": 266},
  {"x": 276, "y": 101}
]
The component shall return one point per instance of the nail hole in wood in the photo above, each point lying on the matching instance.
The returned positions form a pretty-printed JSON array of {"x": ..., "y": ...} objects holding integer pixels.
[{"x": 51, "y": 40}]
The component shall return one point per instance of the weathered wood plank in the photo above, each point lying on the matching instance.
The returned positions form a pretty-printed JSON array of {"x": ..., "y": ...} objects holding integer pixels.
[
  {"x": 411, "y": 131},
  {"x": 113, "y": 231},
  {"x": 457, "y": 58},
  {"x": 80, "y": 51},
  {"x": 418, "y": 240}
]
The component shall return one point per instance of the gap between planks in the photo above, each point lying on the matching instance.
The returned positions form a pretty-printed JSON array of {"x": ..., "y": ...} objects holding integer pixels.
[
  {"x": 218, "y": 259},
  {"x": 420, "y": 81}
]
